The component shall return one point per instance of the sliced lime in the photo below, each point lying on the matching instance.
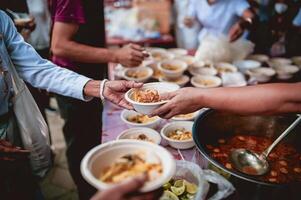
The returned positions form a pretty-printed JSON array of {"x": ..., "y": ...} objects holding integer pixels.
[
  {"x": 179, "y": 183},
  {"x": 168, "y": 195},
  {"x": 178, "y": 190},
  {"x": 166, "y": 186},
  {"x": 191, "y": 188}
]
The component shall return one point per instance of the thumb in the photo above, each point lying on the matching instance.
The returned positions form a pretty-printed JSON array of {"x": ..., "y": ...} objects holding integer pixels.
[
  {"x": 131, "y": 185},
  {"x": 133, "y": 84}
]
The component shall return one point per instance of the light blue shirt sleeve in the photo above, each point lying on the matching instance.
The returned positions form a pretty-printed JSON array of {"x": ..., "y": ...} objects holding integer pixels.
[
  {"x": 191, "y": 12},
  {"x": 297, "y": 20},
  {"x": 240, "y": 6},
  {"x": 39, "y": 72}
]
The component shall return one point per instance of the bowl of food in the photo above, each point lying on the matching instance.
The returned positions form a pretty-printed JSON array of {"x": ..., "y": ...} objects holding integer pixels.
[
  {"x": 189, "y": 60},
  {"x": 215, "y": 141},
  {"x": 182, "y": 81},
  {"x": 206, "y": 81},
  {"x": 178, "y": 134},
  {"x": 138, "y": 74},
  {"x": 224, "y": 67},
  {"x": 202, "y": 71},
  {"x": 285, "y": 72},
  {"x": 245, "y": 65},
  {"x": 276, "y": 62},
  {"x": 178, "y": 51},
  {"x": 259, "y": 57},
  {"x": 147, "y": 99},
  {"x": 134, "y": 119},
  {"x": 159, "y": 55},
  {"x": 186, "y": 117},
  {"x": 141, "y": 134},
  {"x": 236, "y": 79},
  {"x": 261, "y": 74},
  {"x": 172, "y": 69},
  {"x": 113, "y": 162}
]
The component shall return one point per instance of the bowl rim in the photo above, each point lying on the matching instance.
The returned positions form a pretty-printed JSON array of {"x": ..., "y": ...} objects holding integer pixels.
[
  {"x": 184, "y": 82},
  {"x": 183, "y": 67},
  {"x": 91, "y": 179},
  {"x": 254, "y": 72},
  {"x": 150, "y": 130},
  {"x": 163, "y": 131},
  {"x": 127, "y": 94},
  {"x": 256, "y": 64},
  {"x": 196, "y": 113},
  {"x": 201, "y": 149},
  {"x": 149, "y": 70},
  {"x": 216, "y": 78},
  {"x": 124, "y": 112}
]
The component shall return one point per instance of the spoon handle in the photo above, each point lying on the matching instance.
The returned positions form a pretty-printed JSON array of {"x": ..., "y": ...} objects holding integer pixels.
[{"x": 287, "y": 131}]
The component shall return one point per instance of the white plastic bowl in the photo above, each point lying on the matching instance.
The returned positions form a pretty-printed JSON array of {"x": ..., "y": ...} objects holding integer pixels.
[
  {"x": 297, "y": 60},
  {"x": 180, "y": 118},
  {"x": 173, "y": 74},
  {"x": 134, "y": 132},
  {"x": 276, "y": 62},
  {"x": 177, "y": 144},
  {"x": 245, "y": 65},
  {"x": 104, "y": 155},
  {"x": 189, "y": 60},
  {"x": 163, "y": 54},
  {"x": 225, "y": 66},
  {"x": 182, "y": 81},
  {"x": 196, "y": 79},
  {"x": 261, "y": 74},
  {"x": 202, "y": 71},
  {"x": 259, "y": 57},
  {"x": 286, "y": 71},
  {"x": 147, "y": 70},
  {"x": 236, "y": 79},
  {"x": 148, "y": 108},
  {"x": 178, "y": 51},
  {"x": 127, "y": 113}
]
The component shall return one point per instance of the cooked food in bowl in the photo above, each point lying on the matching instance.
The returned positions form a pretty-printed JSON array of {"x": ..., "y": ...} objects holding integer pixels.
[
  {"x": 129, "y": 166},
  {"x": 159, "y": 55},
  {"x": 141, "y": 119},
  {"x": 146, "y": 96},
  {"x": 189, "y": 116},
  {"x": 285, "y": 161},
  {"x": 225, "y": 68},
  {"x": 203, "y": 81},
  {"x": 140, "y": 133},
  {"x": 189, "y": 60},
  {"x": 173, "y": 69},
  {"x": 142, "y": 137},
  {"x": 170, "y": 67},
  {"x": 180, "y": 134},
  {"x": 137, "y": 74},
  {"x": 183, "y": 80}
]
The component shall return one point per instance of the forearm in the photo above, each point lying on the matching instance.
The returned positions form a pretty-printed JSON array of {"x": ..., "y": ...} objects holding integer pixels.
[
  {"x": 92, "y": 89},
  {"x": 82, "y": 53},
  {"x": 262, "y": 99}
]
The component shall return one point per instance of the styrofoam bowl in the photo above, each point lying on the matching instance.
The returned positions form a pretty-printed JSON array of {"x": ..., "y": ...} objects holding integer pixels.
[
  {"x": 285, "y": 72},
  {"x": 105, "y": 154},
  {"x": 148, "y": 108},
  {"x": 178, "y": 51},
  {"x": 195, "y": 81},
  {"x": 185, "y": 118},
  {"x": 182, "y": 81},
  {"x": 245, "y": 65},
  {"x": 259, "y": 57},
  {"x": 189, "y": 60},
  {"x": 277, "y": 61},
  {"x": 261, "y": 74},
  {"x": 148, "y": 71},
  {"x": 177, "y": 144},
  {"x": 159, "y": 55},
  {"x": 173, "y": 74},
  {"x": 133, "y": 132},
  {"x": 222, "y": 66},
  {"x": 127, "y": 113},
  {"x": 202, "y": 71}
]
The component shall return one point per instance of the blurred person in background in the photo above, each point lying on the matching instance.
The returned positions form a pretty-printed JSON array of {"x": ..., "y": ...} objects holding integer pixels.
[
  {"x": 78, "y": 44},
  {"x": 17, "y": 180},
  {"x": 295, "y": 36},
  {"x": 39, "y": 38},
  {"x": 229, "y": 17}
]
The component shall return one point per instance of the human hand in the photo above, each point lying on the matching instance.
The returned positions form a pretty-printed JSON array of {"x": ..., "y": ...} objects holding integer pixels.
[
  {"x": 128, "y": 190},
  {"x": 9, "y": 152},
  {"x": 130, "y": 55},
  {"x": 235, "y": 32},
  {"x": 183, "y": 101},
  {"x": 189, "y": 22},
  {"x": 114, "y": 91}
]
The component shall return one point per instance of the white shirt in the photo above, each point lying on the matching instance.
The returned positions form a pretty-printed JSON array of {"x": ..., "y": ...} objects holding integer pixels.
[
  {"x": 217, "y": 18},
  {"x": 39, "y": 38},
  {"x": 297, "y": 20}
]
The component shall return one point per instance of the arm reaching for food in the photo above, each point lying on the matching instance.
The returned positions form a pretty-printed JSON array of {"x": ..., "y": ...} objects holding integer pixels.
[{"x": 261, "y": 99}]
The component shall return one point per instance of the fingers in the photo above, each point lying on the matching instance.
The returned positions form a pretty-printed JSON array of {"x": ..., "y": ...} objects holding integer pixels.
[
  {"x": 167, "y": 96},
  {"x": 132, "y": 185},
  {"x": 126, "y": 105},
  {"x": 139, "y": 56},
  {"x": 136, "y": 47},
  {"x": 132, "y": 84},
  {"x": 162, "y": 110}
]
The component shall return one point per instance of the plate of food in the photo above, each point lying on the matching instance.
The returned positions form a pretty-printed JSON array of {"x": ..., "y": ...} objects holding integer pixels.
[
  {"x": 138, "y": 74},
  {"x": 113, "y": 162},
  {"x": 148, "y": 98},
  {"x": 172, "y": 69},
  {"x": 178, "y": 134},
  {"x": 142, "y": 134},
  {"x": 186, "y": 117},
  {"x": 203, "y": 81},
  {"x": 182, "y": 81},
  {"x": 134, "y": 119}
]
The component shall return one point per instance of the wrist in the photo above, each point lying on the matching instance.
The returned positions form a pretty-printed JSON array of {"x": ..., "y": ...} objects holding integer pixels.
[
  {"x": 200, "y": 99},
  {"x": 92, "y": 89},
  {"x": 113, "y": 55}
]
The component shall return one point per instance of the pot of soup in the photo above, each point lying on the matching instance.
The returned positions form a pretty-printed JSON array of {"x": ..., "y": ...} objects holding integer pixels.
[{"x": 216, "y": 134}]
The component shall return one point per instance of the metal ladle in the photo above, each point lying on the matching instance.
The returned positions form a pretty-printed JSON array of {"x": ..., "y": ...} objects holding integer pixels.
[{"x": 251, "y": 163}]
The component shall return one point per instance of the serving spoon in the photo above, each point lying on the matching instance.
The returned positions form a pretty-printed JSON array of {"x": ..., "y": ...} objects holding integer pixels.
[{"x": 252, "y": 163}]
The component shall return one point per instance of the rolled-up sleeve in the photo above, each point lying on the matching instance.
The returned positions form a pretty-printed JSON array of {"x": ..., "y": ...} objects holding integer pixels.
[
  {"x": 39, "y": 72},
  {"x": 241, "y": 6}
]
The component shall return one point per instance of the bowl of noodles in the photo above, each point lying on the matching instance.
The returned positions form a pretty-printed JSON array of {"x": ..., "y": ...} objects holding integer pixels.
[{"x": 116, "y": 161}]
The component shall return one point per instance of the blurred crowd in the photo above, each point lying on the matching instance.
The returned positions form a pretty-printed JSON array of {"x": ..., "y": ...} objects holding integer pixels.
[{"x": 72, "y": 34}]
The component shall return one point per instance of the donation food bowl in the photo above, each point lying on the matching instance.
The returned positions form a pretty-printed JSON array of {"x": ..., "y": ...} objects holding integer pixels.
[
  {"x": 173, "y": 69},
  {"x": 261, "y": 74},
  {"x": 102, "y": 156},
  {"x": 134, "y": 119},
  {"x": 147, "y": 108},
  {"x": 141, "y": 134},
  {"x": 138, "y": 74},
  {"x": 212, "y": 125}
]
